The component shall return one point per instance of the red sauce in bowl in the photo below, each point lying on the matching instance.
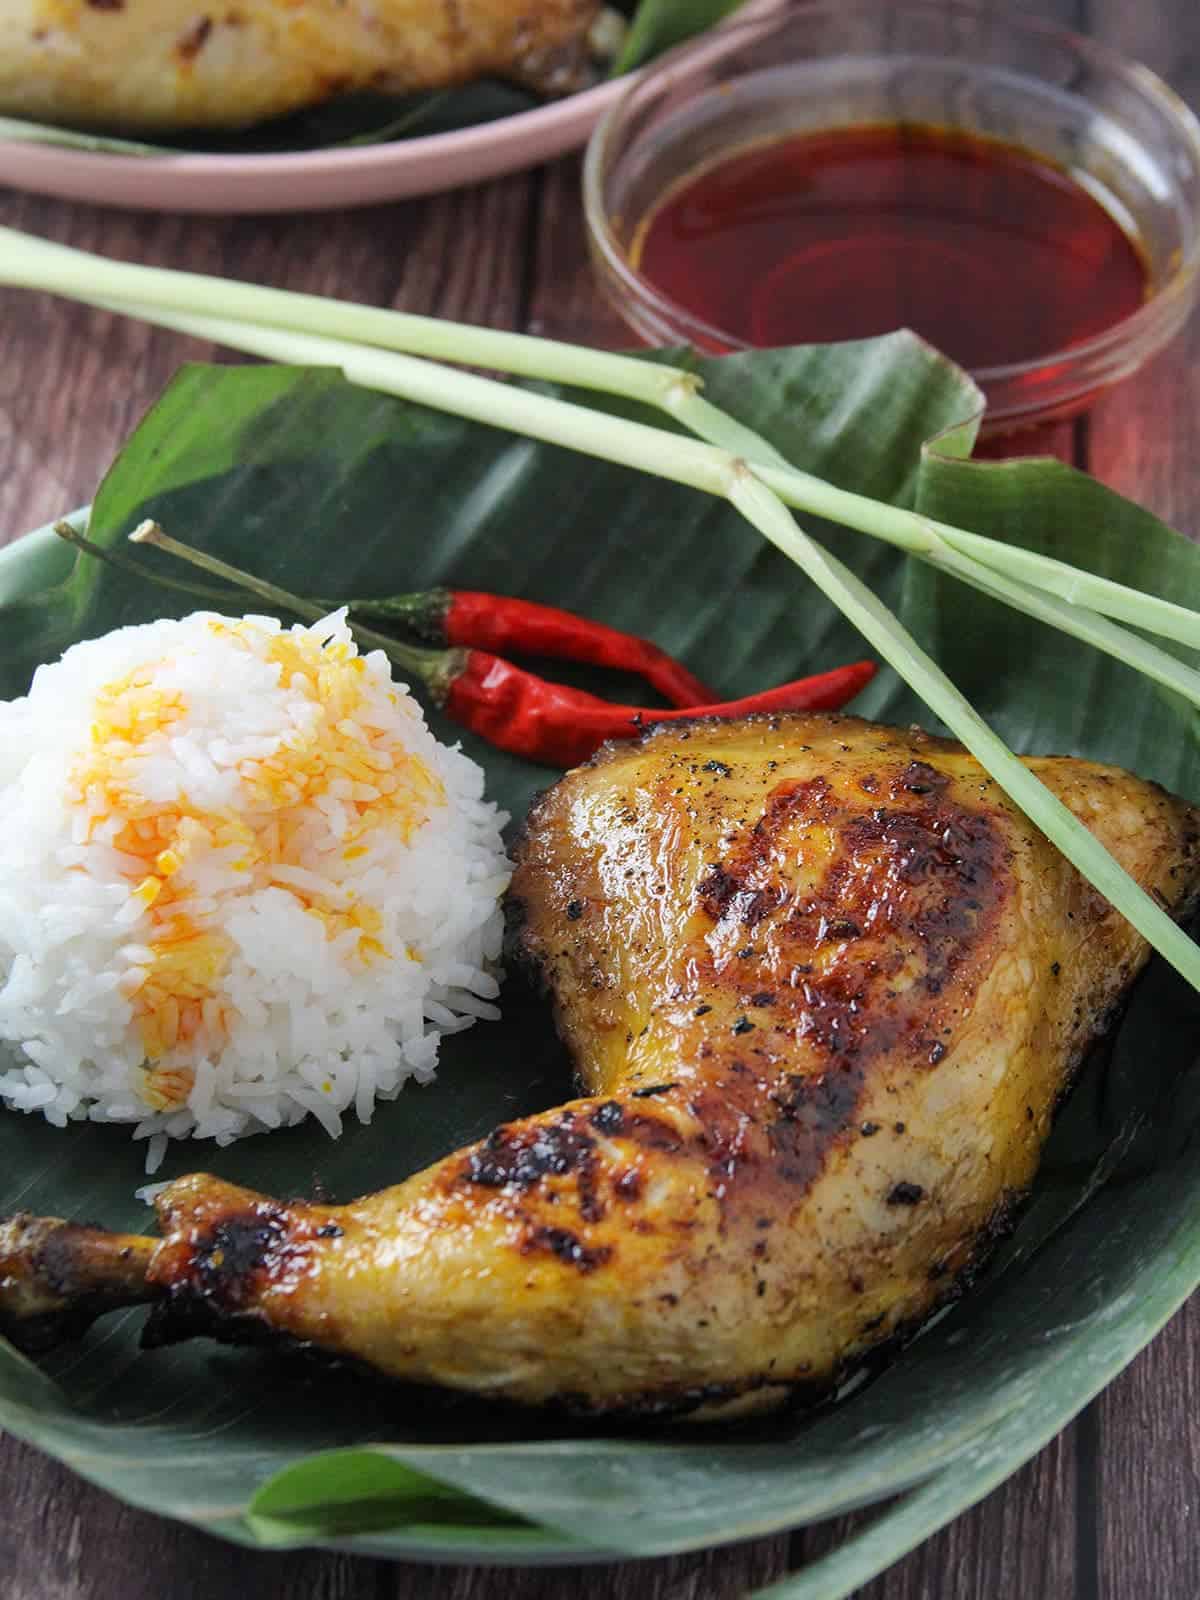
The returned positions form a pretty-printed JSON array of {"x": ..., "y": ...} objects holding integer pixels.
[{"x": 991, "y": 252}]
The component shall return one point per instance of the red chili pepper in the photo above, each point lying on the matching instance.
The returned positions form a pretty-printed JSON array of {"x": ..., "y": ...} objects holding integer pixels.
[
  {"x": 560, "y": 726},
  {"x": 475, "y": 620}
]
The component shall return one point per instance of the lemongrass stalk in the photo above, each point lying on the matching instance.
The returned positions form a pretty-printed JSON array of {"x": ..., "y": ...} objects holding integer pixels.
[
  {"x": 910, "y": 531},
  {"x": 33, "y": 263},
  {"x": 465, "y": 394},
  {"x": 762, "y": 507},
  {"x": 145, "y": 292},
  {"x": 909, "y": 528},
  {"x": 929, "y": 544},
  {"x": 1129, "y": 648}
]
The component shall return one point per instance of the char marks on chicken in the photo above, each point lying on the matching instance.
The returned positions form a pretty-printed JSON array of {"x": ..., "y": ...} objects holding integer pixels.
[{"x": 823, "y": 985}]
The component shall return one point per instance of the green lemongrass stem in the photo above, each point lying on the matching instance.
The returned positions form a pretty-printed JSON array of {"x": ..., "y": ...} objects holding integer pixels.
[
  {"x": 937, "y": 551},
  {"x": 1129, "y": 648},
  {"x": 636, "y": 445},
  {"x": 762, "y": 507},
  {"x": 144, "y": 291},
  {"x": 909, "y": 529},
  {"x": 426, "y": 665},
  {"x": 124, "y": 286},
  {"x": 919, "y": 535}
]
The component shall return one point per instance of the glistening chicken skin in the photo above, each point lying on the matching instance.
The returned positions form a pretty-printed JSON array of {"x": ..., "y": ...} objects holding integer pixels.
[
  {"x": 824, "y": 985},
  {"x": 145, "y": 65}
]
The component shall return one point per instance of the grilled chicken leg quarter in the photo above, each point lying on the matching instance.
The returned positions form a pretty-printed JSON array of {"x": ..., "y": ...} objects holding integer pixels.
[
  {"x": 824, "y": 985},
  {"x": 162, "y": 64}
]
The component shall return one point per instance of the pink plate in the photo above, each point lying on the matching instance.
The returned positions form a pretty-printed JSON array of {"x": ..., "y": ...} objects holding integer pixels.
[
  {"x": 313, "y": 180},
  {"x": 307, "y": 180}
]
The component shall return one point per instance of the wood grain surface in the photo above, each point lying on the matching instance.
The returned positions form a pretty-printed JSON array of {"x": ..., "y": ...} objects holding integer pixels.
[{"x": 1110, "y": 1510}]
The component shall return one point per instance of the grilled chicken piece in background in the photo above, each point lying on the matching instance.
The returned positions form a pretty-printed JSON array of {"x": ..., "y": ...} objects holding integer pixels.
[
  {"x": 145, "y": 65},
  {"x": 825, "y": 987}
]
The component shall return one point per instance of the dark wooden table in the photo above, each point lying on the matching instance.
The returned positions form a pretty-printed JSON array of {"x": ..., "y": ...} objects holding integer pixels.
[{"x": 1110, "y": 1509}]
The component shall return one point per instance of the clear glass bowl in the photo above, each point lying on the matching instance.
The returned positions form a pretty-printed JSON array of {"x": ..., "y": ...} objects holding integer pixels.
[{"x": 820, "y": 64}]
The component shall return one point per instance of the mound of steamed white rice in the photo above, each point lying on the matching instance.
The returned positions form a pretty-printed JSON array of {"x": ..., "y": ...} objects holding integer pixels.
[{"x": 241, "y": 883}]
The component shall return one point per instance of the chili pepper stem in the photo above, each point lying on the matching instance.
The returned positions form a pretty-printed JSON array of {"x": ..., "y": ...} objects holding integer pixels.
[
  {"x": 71, "y": 535},
  {"x": 434, "y": 668},
  {"x": 420, "y": 612}
]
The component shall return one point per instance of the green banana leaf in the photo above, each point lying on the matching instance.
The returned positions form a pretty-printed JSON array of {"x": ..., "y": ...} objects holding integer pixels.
[
  {"x": 658, "y": 25},
  {"x": 333, "y": 490},
  {"x": 371, "y": 118}
]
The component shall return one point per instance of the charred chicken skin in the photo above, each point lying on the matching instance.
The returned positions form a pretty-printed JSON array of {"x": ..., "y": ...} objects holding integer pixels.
[
  {"x": 144, "y": 65},
  {"x": 824, "y": 985}
]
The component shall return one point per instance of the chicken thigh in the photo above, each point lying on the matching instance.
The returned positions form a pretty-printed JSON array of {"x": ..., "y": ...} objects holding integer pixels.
[{"x": 824, "y": 985}]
